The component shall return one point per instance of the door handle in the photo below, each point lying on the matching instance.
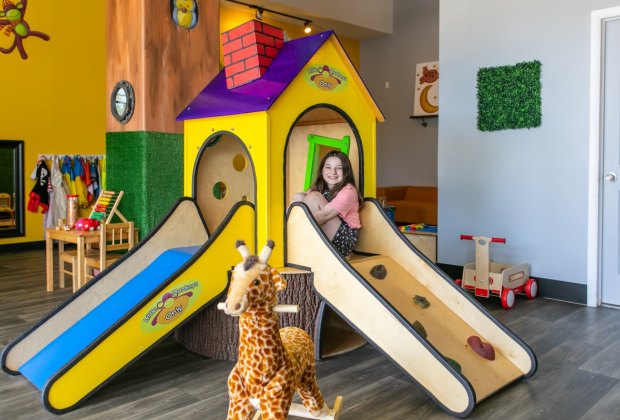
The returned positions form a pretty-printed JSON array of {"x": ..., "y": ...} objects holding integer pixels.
[{"x": 611, "y": 177}]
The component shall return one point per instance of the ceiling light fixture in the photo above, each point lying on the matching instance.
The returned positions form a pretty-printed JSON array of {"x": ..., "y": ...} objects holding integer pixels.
[{"x": 260, "y": 10}]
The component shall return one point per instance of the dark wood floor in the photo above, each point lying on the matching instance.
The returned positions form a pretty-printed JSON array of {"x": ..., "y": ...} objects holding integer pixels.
[{"x": 577, "y": 349}]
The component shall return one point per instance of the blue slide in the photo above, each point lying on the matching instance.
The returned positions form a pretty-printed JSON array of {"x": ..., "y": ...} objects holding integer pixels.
[{"x": 40, "y": 368}]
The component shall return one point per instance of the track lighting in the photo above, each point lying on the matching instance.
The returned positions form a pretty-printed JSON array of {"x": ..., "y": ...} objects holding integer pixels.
[{"x": 260, "y": 10}]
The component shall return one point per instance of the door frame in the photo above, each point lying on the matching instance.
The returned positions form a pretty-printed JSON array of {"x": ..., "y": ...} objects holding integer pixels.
[{"x": 595, "y": 195}]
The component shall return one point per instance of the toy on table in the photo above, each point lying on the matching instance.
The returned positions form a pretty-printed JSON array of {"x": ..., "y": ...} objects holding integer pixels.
[
  {"x": 85, "y": 223},
  {"x": 486, "y": 277},
  {"x": 273, "y": 363},
  {"x": 413, "y": 226},
  {"x": 107, "y": 206}
]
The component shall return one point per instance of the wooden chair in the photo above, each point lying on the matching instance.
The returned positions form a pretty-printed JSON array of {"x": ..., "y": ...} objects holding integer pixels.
[
  {"x": 7, "y": 213},
  {"x": 114, "y": 237},
  {"x": 68, "y": 257}
]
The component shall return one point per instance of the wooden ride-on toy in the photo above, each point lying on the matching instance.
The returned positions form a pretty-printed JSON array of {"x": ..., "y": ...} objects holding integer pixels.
[{"x": 486, "y": 277}]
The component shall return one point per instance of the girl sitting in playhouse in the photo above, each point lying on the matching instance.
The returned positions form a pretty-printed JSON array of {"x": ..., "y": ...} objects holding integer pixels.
[{"x": 334, "y": 201}]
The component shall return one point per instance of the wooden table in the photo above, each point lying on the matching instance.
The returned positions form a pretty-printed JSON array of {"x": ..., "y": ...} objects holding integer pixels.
[{"x": 80, "y": 238}]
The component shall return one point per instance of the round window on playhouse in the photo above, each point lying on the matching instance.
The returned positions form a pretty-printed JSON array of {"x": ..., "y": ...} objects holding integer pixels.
[{"x": 122, "y": 101}]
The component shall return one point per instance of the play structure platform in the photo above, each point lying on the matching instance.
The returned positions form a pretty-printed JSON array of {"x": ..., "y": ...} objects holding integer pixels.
[
  {"x": 429, "y": 341},
  {"x": 133, "y": 305}
]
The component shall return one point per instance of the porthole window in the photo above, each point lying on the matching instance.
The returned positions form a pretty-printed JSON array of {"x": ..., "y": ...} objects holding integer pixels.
[
  {"x": 239, "y": 162},
  {"x": 122, "y": 101},
  {"x": 220, "y": 190}
]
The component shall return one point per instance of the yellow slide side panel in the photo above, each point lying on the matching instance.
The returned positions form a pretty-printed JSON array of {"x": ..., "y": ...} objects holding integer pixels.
[{"x": 205, "y": 279}]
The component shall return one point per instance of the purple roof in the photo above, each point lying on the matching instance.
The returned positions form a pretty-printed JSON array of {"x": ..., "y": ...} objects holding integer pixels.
[{"x": 258, "y": 95}]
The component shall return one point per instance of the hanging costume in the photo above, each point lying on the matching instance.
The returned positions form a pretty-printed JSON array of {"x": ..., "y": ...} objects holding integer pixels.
[{"x": 39, "y": 195}]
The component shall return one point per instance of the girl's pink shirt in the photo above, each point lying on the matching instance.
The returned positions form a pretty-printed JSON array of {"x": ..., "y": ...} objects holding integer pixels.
[{"x": 347, "y": 205}]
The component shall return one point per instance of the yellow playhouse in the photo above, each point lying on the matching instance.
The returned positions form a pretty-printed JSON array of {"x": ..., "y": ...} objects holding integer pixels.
[{"x": 252, "y": 142}]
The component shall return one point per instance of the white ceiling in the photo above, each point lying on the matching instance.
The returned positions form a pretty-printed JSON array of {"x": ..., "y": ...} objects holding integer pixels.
[{"x": 354, "y": 19}]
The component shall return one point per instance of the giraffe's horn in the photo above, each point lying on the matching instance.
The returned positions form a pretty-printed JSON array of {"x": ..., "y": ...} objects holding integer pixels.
[
  {"x": 243, "y": 249},
  {"x": 266, "y": 252}
]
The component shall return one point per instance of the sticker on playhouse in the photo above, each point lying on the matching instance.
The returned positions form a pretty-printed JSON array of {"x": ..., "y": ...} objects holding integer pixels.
[
  {"x": 171, "y": 306},
  {"x": 325, "y": 77}
]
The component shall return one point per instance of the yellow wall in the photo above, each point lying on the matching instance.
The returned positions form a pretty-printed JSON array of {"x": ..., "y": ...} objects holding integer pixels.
[
  {"x": 55, "y": 100},
  {"x": 232, "y": 17}
]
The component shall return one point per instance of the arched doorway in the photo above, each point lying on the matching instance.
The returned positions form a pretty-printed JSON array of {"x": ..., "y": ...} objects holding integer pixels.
[
  {"x": 223, "y": 175},
  {"x": 325, "y": 121}
]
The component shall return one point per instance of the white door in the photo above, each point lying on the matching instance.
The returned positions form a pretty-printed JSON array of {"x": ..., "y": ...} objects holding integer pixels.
[{"x": 610, "y": 112}]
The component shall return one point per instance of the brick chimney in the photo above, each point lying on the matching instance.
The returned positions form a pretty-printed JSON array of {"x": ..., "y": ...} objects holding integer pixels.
[{"x": 248, "y": 51}]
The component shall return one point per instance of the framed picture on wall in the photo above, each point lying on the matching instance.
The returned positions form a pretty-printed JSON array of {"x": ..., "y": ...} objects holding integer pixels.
[{"x": 426, "y": 99}]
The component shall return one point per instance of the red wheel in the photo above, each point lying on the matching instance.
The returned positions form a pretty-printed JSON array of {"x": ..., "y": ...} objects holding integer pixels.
[
  {"x": 531, "y": 288},
  {"x": 508, "y": 298},
  {"x": 458, "y": 282}
]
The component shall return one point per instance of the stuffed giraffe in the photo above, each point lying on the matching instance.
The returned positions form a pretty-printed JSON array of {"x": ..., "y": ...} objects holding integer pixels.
[{"x": 273, "y": 363}]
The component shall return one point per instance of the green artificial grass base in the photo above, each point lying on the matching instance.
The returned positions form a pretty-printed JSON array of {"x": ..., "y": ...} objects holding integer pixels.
[{"x": 148, "y": 167}]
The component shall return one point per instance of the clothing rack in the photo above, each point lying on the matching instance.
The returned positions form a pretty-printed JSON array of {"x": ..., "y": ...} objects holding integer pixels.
[{"x": 61, "y": 156}]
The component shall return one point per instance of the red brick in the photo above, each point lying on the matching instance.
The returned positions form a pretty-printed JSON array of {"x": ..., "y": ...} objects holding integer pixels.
[
  {"x": 247, "y": 76},
  {"x": 227, "y": 59},
  {"x": 271, "y": 52},
  {"x": 249, "y": 39},
  {"x": 273, "y": 31},
  {"x": 243, "y": 54},
  {"x": 260, "y": 49},
  {"x": 230, "y": 83},
  {"x": 265, "y": 40},
  {"x": 231, "y": 46},
  {"x": 244, "y": 29},
  {"x": 252, "y": 62},
  {"x": 279, "y": 43},
  {"x": 235, "y": 68},
  {"x": 264, "y": 61},
  {"x": 224, "y": 38}
]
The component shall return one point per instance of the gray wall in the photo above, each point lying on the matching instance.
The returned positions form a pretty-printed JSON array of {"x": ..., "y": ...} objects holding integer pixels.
[
  {"x": 531, "y": 185},
  {"x": 406, "y": 151}
]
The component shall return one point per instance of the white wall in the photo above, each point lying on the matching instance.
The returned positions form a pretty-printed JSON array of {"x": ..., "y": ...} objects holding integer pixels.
[
  {"x": 531, "y": 185},
  {"x": 406, "y": 151}
]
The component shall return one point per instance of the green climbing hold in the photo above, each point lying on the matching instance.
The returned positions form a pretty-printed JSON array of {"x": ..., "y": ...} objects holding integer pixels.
[
  {"x": 454, "y": 364},
  {"x": 419, "y": 328},
  {"x": 421, "y": 301}
]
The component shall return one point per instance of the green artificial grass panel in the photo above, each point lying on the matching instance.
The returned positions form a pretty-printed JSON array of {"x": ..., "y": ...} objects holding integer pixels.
[
  {"x": 148, "y": 167},
  {"x": 509, "y": 97}
]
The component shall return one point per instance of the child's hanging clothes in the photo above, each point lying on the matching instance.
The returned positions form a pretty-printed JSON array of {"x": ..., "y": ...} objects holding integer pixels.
[
  {"x": 58, "y": 208},
  {"x": 39, "y": 195},
  {"x": 67, "y": 173},
  {"x": 94, "y": 177},
  {"x": 80, "y": 188}
]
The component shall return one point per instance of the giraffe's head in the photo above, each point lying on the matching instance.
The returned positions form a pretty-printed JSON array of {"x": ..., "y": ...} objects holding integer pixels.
[{"x": 254, "y": 283}]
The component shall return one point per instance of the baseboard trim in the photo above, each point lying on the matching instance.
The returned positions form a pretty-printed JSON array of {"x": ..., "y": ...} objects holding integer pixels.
[
  {"x": 22, "y": 246},
  {"x": 548, "y": 288}
]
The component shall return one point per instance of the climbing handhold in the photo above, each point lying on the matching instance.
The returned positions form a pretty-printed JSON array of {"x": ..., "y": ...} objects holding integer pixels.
[
  {"x": 378, "y": 271},
  {"x": 421, "y": 301},
  {"x": 419, "y": 328},
  {"x": 454, "y": 364},
  {"x": 483, "y": 349}
]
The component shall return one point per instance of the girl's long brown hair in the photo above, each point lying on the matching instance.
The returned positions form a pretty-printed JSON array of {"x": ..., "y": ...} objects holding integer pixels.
[{"x": 347, "y": 176}]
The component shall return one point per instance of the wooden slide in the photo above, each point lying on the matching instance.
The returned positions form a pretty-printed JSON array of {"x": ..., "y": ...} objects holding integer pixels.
[
  {"x": 133, "y": 305},
  {"x": 385, "y": 312}
]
